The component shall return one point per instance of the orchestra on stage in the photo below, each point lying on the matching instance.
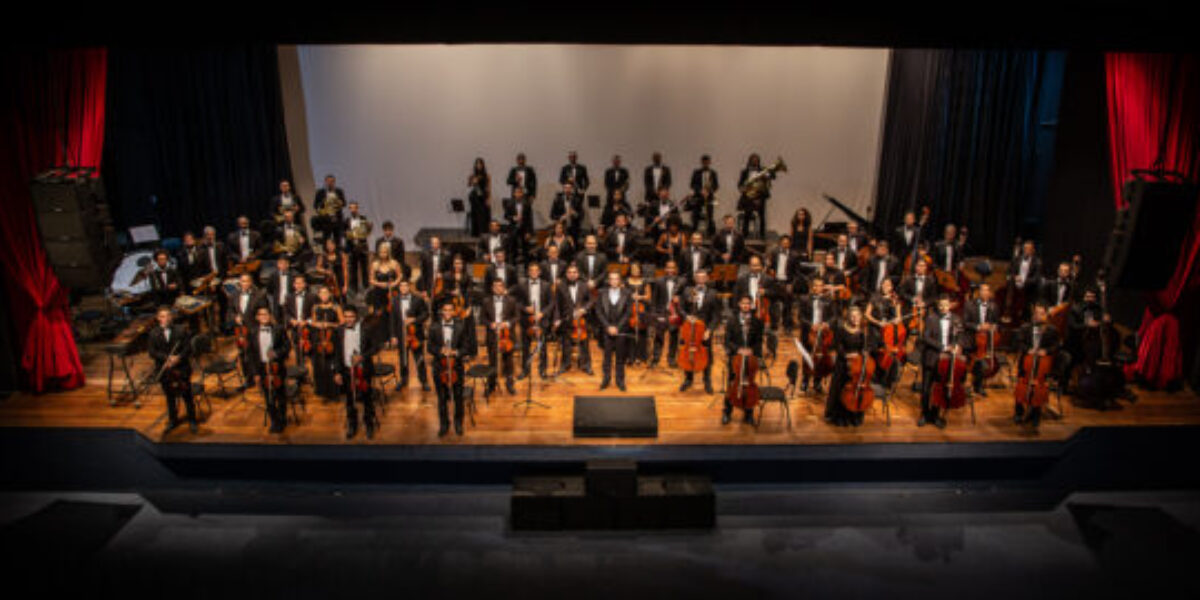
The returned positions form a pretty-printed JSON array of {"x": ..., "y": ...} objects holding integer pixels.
[{"x": 333, "y": 310}]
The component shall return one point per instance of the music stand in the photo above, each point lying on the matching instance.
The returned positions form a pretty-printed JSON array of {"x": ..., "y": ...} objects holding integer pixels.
[
  {"x": 620, "y": 268},
  {"x": 724, "y": 273},
  {"x": 593, "y": 201},
  {"x": 457, "y": 205}
]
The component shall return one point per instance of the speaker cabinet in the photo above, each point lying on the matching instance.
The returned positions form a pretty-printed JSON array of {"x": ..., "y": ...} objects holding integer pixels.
[
  {"x": 73, "y": 221},
  {"x": 1143, "y": 248}
]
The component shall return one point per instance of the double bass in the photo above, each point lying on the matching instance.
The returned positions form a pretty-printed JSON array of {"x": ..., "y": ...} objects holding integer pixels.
[
  {"x": 1102, "y": 380},
  {"x": 694, "y": 354},
  {"x": 857, "y": 394},
  {"x": 950, "y": 391},
  {"x": 742, "y": 391}
]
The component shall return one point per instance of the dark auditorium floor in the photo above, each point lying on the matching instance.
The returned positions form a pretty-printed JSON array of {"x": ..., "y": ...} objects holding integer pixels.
[{"x": 775, "y": 541}]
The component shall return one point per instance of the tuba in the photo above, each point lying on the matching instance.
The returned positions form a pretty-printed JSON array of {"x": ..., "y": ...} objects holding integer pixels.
[{"x": 759, "y": 184}]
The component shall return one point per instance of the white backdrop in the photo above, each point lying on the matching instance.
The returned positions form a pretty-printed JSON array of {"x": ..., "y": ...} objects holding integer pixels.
[{"x": 401, "y": 125}]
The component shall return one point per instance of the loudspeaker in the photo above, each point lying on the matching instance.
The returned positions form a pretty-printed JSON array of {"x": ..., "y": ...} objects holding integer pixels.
[
  {"x": 1143, "y": 248},
  {"x": 74, "y": 224}
]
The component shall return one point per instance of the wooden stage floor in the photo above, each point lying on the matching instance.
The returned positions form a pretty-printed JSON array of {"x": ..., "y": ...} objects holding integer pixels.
[{"x": 691, "y": 418}]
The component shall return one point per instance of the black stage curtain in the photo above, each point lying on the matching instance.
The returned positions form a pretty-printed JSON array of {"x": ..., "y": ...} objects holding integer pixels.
[
  {"x": 969, "y": 134},
  {"x": 194, "y": 137}
]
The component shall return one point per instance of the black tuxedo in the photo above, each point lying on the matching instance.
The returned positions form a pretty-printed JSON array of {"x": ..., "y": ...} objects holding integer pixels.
[
  {"x": 254, "y": 300},
  {"x": 742, "y": 288},
  {"x": 890, "y": 267},
  {"x": 530, "y": 180},
  {"x": 212, "y": 262},
  {"x": 565, "y": 313},
  {"x": 971, "y": 317},
  {"x": 1050, "y": 291},
  {"x": 611, "y": 243},
  {"x": 418, "y": 310},
  {"x": 462, "y": 340},
  {"x": 687, "y": 262},
  {"x": 233, "y": 242},
  {"x": 616, "y": 178},
  {"x": 560, "y": 207},
  {"x": 370, "y": 342},
  {"x": 614, "y": 315},
  {"x": 582, "y": 182},
  {"x": 945, "y": 249},
  {"x": 160, "y": 282},
  {"x": 1033, "y": 275},
  {"x": 297, "y": 205},
  {"x": 501, "y": 241},
  {"x": 599, "y": 270},
  {"x": 706, "y": 308},
  {"x": 279, "y": 287},
  {"x": 276, "y": 398},
  {"x": 660, "y": 301},
  {"x": 308, "y": 299},
  {"x": 844, "y": 258},
  {"x": 507, "y": 274},
  {"x": 929, "y": 290},
  {"x": 931, "y": 351},
  {"x": 700, "y": 206},
  {"x": 509, "y": 314},
  {"x": 425, "y": 283},
  {"x": 177, "y": 381},
  {"x": 729, "y": 242},
  {"x": 737, "y": 336},
  {"x": 648, "y": 181},
  {"x": 188, "y": 261},
  {"x": 562, "y": 270},
  {"x": 329, "y": 226},
  {"x": 904, "y": 245}
]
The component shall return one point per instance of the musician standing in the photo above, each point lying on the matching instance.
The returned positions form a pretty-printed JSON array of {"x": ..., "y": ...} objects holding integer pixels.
[
  {"x": 1059, "y": 290},
  {"x": 612, "y": 311},
  {"x": 700, "y": 303},
  {"x": 593, "y": 266},
  {"x": 522, "y": 177},
  {"x": 881, "y": 267},
  {"x": 981, "y": 315},
  {"x": 910, "y": 234},
  {"x": 948, "y": 253},
  {"x": 434, "y": 263},
  {"x": 187, "y": 260},
  {"x": 620, "y": 242},
  {"x": 298, "y": 309},
  {"x": 655, "y": 177},
  {"x": 450, "y": 338},
  {"x": 502, "y": 270},
  {"x": 407, "y": 325},
  {"x": 500, "y": 315},
  {"x": 666, "y": 290},
  {"x": 554, "y": 269},
  {"x": 286, "y": 201},
  {"x": 355, "y": 345},
  {"x": 390, "y": 238},
  {"x": 519, "y": 214},
  {"x": 328, "y": 203},
  {"x": 704, "y": 187},
  {"x": 170, "y": 347},
  {"x": 573, "y": 302},
  {"x": 567, "y": 208},
  {"x": 279, "y": 285},
  {"x": 491, "y": 241},
  {"x": 659, "y": 211},
  {"x": 850, "y": 338},
  {"x": 267, "y": 349},
  {"x": 479, "y": 184},
  {"x": 616, "y": 186},
  {"x": 291, "y": 241},
  {"x": 743, "y": 341},
  {"x": 242, "y": 307},
  {"x": 575, "y": 174},
  {"x": 357, "y": 234},
  {"x": 537, "y": 306},
  {"x": 919, "y": 289},
  {"x": 944, "y": 334},
  {"x": 758, "y": 206},
  {"x": 754, "y": 284},
  {"x": 885, "y": 309},
  {"x": 1025, "y": 275},
  {"x": 165, "y": 282}
]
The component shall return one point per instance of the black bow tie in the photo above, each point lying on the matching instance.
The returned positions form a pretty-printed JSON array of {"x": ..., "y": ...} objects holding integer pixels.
[
  {"x": 405, "y": 297},
  {"x": 447, "y": 323}
]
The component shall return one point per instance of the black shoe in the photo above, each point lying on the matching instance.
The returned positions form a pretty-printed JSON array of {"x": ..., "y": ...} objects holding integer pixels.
[
  {"x": 542, "y": 374},
  {"x": 193, "y": 427},
  {"x": 726, "y": 418},
  {"x": 589, "y": 372},
  {"x": 458, "y": 429},
  {"x": 687, "y": 383},
  {"x": 748, "y": 418},
  {"x": 708, "y": 389},
  {"x": 674, "y": 364},
  {"x": 804, "y": 387},
  {"x": 512, "y": 389},
  {"x": 424, "y": 386},
  {"x": 921, "y": 422},
  {"x": 981, "y": 393},
  {"x": 941, "y": 423},
  {"x": 653, "y": 364},
  {"x": 621, "y": 385},
  {"x": 443, "y": 430},
  {"x": 522, "y": 376},
  {"x": 817, "y": 389},
  {"x": 603, "y": 385},
  {"x": 351, "y": 430},
  {"x": 371, "y": 430},
  {"x": 169, "y": 426}
]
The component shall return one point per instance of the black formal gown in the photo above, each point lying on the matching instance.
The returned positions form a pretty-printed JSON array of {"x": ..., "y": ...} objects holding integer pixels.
[
  {"x": 323, "y": 364},
  {"x": 845, "y": 342}
]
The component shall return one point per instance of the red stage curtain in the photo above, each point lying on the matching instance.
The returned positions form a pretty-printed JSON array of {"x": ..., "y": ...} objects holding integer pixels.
[
  {"x": 1154, "y": 122},
  {"x": 53, "y": 111}
]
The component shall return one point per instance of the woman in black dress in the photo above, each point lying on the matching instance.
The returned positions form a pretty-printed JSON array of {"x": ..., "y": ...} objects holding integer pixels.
[
  {"x": 558, "y": 237},
  {"x": 326, "y": 316},
  {"x": 802, "y": 232},
  {"x": 480, "y": 197},
  {"x": 333, "y": 263},
  {"x": 850, "y": 337},
  {"x": 385, "y": 278}
]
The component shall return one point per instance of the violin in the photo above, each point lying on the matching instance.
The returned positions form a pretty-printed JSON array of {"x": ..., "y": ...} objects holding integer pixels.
[
  {"x": 949, "y": 390},
  {"x": 460, "y": 307},
  {"x": 410, "y": 334},
  {"x": 1031, "y": 388},
  {"x": 242, "y": 334},
  {"x": 763, "y": 311},
  {"x": 917, "y": 322},
  {"x": 742, "y": 391},
  {"x": 361, "y": 385},
  {"x": 448, "y": 376},
  {"x": 325, "y": 346},
  {"x": 674, "y": 315},
  {"x": 857, "y": 394},
  {"x": 534, "y": 328},
  {"x": 636, "y": 315},
  {"x": 393, "y": 293},
  {"x": 273, "y": 379},
  {"x": 305, "y": 339},
  {"x": 694, "y": 356},
  {"x": 820, "y": 341},
  {"x": 504, "y": 341}
]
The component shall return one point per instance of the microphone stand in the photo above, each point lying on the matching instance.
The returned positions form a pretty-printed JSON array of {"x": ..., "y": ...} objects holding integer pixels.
[{"x": 529, "y": 401}]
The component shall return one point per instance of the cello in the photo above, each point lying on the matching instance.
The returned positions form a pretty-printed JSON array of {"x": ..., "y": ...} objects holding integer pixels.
[
  {"x": 1031, "y": 389},
  {"x": 949, "y": 390},
  {"x": 742, "y": 391},
  {"x": 893, "y": 335},
  {"x": 763, "y": 311},
  {"x": 694, "y": 356},
  {"x": 985, "y": 352},
  {"x": 820, "y": 340},
  {"x": 857, "y": 394}
]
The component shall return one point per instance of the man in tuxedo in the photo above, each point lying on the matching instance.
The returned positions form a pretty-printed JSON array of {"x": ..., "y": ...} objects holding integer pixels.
[
  {"x": 554, "y": 268},
  {"x": 573, "y": 302},
  {"x": 665, "y": 289},
  {"x": 843, "y": 257},
  {"x": 704, "y": 187},
  {"x": 612, "y": 310},
  {"x": 910, "y": 234},
  {"x": 816, "y": 310},
  {"x": 354, "y": 348},
  {"x": 435, "y": 262},
  {"x": 522, "y": 177},
  {"x": 187, "y": 260},
  {"x": 394, "y": 241},
  {"x": 980, "y": 315},
  {"x": 502, "y": 270},
  {"x": 729, "y": 244},
  {"x": 696, "y": 258},
  {"x": 881, "y": 266},
  {"x": 1060, "y": 289},
  {"x": 855, "y": 238},
  {"x": 575, "y": 174},
  {"x": 621, "y": 240},
  {"x": 700, "y": 303},
  {"x": 659, "y": 212},
  {"x": 593, "y": 265},
  {"x": 948, "y": 253},
  {"x": 212, "y": 254},
  {"x": 752, "y": 207},
  {"x": 297, "y": 312},
  {"x": 499, "y": 315},
  {"x": 1043, "y": 339},
  {"x": 656, "y": 176},
  {"x": 290, "y": 230},
  {"x": 616, "y": 180},
  {"x": 784, "y": 269},
  {"x": 245, "y": 244},
  {"x": 754, "y": 284},
  {"x": 519, "y": 214},
  {"x": 450, "y": 338},
  {"x": 266, "y": 351},
  {"x": 537, "y": 307},
  {"x": 409, "y": 310},
  {"x": 279, "y": 285},
  {"x": 169, "y": 345},
  {"x": 567, "y": 208},
  {"x": 328, "y": 226},
  {"x": 920, "y": 288},
  {"x": 493, "y": 240},
  {"x": 287, "y": 201},
  {"x": 241, "y": 306},
  {"x": 359, "y": 251},
  {"x": 165, "y": 282},
  {"x": 944, "y": 333},
  {"x": 1026, "y": 273},
  {"x": 743, "y": 340}
]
